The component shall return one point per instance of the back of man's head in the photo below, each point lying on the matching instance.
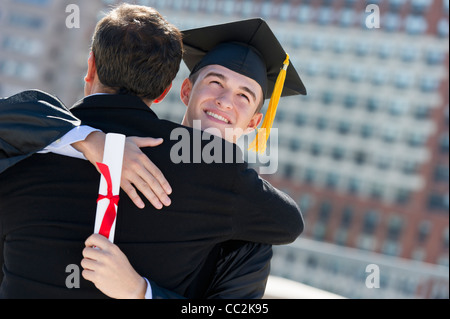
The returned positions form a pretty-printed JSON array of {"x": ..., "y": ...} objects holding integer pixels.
[{"x": 137, "y": 51}]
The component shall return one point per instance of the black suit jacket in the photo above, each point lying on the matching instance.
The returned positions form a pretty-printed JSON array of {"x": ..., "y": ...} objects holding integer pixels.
[{"x": 47, "y": 211}]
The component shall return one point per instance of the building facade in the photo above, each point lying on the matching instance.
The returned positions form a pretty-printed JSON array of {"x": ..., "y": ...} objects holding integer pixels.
[{"x": 42, "y": 46}]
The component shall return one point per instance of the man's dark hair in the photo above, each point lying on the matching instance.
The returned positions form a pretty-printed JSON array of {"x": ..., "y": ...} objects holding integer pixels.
[{"x": 137, "y": 51}]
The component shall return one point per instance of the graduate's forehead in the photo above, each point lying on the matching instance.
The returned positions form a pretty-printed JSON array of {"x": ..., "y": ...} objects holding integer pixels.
[{"x": 231, "y": 77}]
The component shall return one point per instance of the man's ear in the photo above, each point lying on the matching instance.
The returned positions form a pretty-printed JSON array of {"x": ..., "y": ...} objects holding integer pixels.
[
  {"x": 92, "y": 69},
  {"x": 254, "y": 123},
  {"x": 162, "y": 96},
  {"x": 186, "y": 89}
]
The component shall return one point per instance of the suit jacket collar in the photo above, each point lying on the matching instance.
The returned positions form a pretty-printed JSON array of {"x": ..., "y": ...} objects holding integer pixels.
[{"x": 112, "y": 101}]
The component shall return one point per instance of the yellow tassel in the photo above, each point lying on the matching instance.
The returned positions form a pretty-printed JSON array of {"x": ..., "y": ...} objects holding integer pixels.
[{"x": 259, "y": 144}]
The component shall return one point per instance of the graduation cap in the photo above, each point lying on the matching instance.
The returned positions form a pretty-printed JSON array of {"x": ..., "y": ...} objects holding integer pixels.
[{"x": 250, "y": 48}]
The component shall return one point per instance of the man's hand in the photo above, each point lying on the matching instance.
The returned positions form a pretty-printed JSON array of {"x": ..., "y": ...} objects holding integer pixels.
[
  {"x": 109, "y": 269},
  {"x": 138, "y": 169}
]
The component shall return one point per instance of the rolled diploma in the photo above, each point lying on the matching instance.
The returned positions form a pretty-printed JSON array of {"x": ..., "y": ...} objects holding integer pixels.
[{"x": 113, "y": 157}]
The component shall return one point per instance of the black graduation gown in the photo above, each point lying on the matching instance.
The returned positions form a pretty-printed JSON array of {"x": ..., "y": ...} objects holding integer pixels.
[
  {"x": 30, "y": 121},
  {"x": 211, "y": 203}
]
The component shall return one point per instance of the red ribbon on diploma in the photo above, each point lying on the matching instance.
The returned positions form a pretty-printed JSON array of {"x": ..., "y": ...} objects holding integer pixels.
[{"x": 110, "y": 214}]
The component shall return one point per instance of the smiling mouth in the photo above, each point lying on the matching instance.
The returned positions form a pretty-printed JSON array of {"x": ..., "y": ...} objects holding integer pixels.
[{"x": 218, "y": 117}]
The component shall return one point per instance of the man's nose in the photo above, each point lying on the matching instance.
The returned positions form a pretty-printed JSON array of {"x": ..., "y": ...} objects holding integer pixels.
[{"x": 225, "y": 101}]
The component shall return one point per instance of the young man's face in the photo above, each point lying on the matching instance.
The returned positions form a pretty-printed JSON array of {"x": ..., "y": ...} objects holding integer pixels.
[{"x": 222, "y": 99}]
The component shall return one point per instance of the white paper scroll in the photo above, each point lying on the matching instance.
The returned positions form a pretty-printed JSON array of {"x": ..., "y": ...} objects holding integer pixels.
[{"x": 113, "y": 158}]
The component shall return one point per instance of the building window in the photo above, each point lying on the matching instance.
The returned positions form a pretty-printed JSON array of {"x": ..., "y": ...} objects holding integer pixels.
[
  {"x": 420, "y": 6},
  {"x": 248, "y": 8},
  {"x": 332, "y": 180},
  {"x": 390, "y": 248},
  {"x": 341, "y": 236},
  {"x": 310, "y": 175},
  {"x": 441, "y": 173},
  {"x": 396, "y": 5},
  {"x": 443, "y": 260},
  {"x": 338, "y": 153},
  {"x": 281, "y": 116},
  {"x": 366, "y": 242},
  {"x": 403, "y": 80},
  {"x": 228, "y": 7},
  {"x": 285, "y": 12},
  {"x": 437, "y": 201},
  {"x": 295, "y": 145},
  {"x": 350, "y": 101},
  {"x": 356, "y": 74},
  {"x": 316, "y": 149},
  {"x": 305, "y": 203},
  {"x": 319, "y": 44},
  {"x": 328, "y": 97},
  {"x": 304, "y": 15},
  {"x": 415, "y": 25},
  {"x": 340, "y": 45},
  {"x": 390, "y": 134},
  {"x": 347, "y": 216},
  {"x": 325, "y": 212},
  {"x": 370, "y": 223},
  {"x": 376, "y": 191},
  {"x": 423, "y": 231},
  {"x": 383, "y": 162},
  {"x": 402, "y": 196},
  {"x": 417, "y": 139},
  {"x": 445, "y": 238},
  {"x": 289, "y": 171},
  {"x": 325, "y": 16},
  {"x": 367, "y": 131},
  {"x": 385, "y": 50},
  {"x": 418, "y": 254},
  {"x": 394, "y": 229},
  {"x": 445, "y": 116},
  {"x": 334, "y": 72},
  {"x": 391, "y": 22},
  {"x": 380, "y": 77},
  {"x": 354, "y": 185},
  {"x": 360, "y": 157},
  {"x": 344, "y": 127},
  {"x": 410, "y": 53},
  {"x": 374, "y": 104},
  {"x": 322, "y": 123},
  {"x": 301, "y": 119},
  {"x": 410, "y": 167},
  {"x": 362, "y": 48},
  {"x": 313, "y": 68},
  {"x": 398, "y": 107},
  {"x": 435, "y": 56},
  {"x": 422, "y": 112},
  {"x": 266, "y": 10},
  {"x": 443, "y": 28},
  {"x": 443, "y": 143},
  {"x": 319, "y": 231},
  {"x": 429, "y": 84},
  {"x": 347, "y": 18},
  {"x": 210, "y": 6}
]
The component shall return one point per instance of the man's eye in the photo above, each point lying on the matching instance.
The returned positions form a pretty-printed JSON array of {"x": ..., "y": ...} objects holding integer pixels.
[
  {"x": 216, "y": 82},
  {"x": 245, "y": 97}
]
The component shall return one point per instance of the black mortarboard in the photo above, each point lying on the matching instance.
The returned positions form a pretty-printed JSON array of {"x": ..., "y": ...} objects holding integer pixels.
[{"x": 250, "y": 48}]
